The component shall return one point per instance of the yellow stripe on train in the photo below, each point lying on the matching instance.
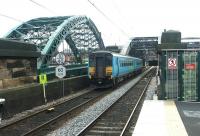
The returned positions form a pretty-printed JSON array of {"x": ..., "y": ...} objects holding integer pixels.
[
  {"x": 109, "y": 70},
  {"x": 92, "y": 70}
]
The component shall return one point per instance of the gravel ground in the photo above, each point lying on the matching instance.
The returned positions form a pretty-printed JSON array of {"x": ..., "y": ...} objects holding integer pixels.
[
  {"x": 152, "y": 89},
  {"x": 75, "y": 125},
  {"x": 38, "y": 108}
]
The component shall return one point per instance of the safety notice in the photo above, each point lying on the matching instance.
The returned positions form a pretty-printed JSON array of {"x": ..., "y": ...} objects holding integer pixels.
[{"x": 172, "y": 64}]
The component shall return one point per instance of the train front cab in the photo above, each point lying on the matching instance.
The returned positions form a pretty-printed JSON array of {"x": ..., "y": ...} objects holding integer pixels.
[{"x": 100, "y": 69}]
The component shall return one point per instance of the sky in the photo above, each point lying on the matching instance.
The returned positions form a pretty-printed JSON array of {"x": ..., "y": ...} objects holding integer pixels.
[{"x": 127, "y": 18}]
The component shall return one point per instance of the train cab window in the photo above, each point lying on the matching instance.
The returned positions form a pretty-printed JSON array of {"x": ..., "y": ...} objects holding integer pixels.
[{"x": 108, "y": 60}]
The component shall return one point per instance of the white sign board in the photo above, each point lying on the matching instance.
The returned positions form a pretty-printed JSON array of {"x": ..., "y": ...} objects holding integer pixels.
[
  {"x": 172, "y": 64},
  {"x": 60, "y": 58},
  {"x": 60, "y": 71}
]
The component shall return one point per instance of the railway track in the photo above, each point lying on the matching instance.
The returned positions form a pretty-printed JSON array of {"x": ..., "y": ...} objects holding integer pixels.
[
  {"x": 39, "y": 119},
  {"x": 44, "y": 122},
  {"x": 116, "y": 120}
]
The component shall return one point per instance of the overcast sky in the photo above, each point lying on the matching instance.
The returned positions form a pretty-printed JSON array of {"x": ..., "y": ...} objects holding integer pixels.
[{"x": 132, "y": 18}]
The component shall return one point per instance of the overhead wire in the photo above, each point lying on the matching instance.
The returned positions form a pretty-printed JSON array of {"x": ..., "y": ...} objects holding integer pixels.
[
  {"x": 46, "y": 8},
  {"x": 115, "y": 5},
  {"x": 18, "y": 20},
  {"x": 112, "y": 22},
  {"x": 15, "y": 19},
  {"x": 12, "y": 18},
  {"x": 42, "y": 6}
]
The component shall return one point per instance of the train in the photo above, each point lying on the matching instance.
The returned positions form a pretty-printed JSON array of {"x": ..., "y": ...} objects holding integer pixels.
[{"x": 106, "y": 69}]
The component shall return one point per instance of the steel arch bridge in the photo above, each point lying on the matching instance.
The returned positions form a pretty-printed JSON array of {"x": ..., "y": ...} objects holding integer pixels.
[
  {"x": 47, "y": 33},
  {"x": 144, "y": 48}
]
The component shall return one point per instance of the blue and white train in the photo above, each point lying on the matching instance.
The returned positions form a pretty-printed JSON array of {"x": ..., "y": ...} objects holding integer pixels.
[{"x": 108, "y": 68}]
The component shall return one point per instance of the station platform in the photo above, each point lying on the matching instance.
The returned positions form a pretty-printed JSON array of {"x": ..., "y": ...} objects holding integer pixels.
[
  {"x": 159, "y": 118},
  {"x": 190, "y": 115}
]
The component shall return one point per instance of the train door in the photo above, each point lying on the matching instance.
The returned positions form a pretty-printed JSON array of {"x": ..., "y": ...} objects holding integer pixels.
[
  {"x": 118, "y": 65},
  {"x": 100, "y": 67}
]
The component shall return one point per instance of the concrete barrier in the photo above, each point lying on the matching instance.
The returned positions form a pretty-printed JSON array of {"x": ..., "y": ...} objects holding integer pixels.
[{"x": 27, "y": 97}]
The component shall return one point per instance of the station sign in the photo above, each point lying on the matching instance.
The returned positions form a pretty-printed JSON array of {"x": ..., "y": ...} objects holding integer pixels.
[
  {"x": 60, "y": 58},
  {"x": 60, "y": 71},
  {"x": 172, "y": 64},
  {"x": 190, "y": 66}
]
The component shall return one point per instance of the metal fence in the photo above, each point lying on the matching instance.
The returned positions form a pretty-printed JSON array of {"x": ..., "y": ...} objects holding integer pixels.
[
  {"x": 179, "y": 74},
  {"x": 190, "y": 75}
]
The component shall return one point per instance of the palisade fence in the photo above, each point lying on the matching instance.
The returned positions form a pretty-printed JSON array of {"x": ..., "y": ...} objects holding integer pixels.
[{"x": 179, "y": 74}]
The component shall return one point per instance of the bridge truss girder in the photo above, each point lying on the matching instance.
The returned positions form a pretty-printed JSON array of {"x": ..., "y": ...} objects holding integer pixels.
[
  {"x": 47, "y": 34},
  {"x": 144, "y": 48}
]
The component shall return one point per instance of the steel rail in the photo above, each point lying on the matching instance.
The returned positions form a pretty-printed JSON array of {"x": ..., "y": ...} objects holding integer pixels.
[
  {"x": 42, "y": 110},
  {"x": 59, "y": 116},
  {"x": 136, "y": 106},
  {"x": 95, "y": 120}
]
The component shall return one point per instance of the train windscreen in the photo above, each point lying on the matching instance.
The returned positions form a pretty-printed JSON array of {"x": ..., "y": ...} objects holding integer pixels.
[
  {"x": 91, "y": 60},
  {"x": 108, "y": 60}
]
